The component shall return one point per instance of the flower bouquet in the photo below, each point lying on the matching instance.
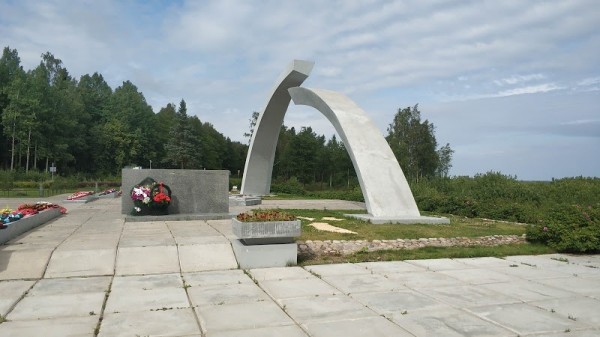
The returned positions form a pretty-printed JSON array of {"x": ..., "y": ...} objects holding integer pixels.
[{"x": 150, "y": 198}]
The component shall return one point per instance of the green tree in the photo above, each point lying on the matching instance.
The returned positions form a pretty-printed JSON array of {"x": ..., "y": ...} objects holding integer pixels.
[
  {"x": 95, "y": 96},
  {"x": 303, "y": 151},
  {"x": 253, "y": 120},
  {"x": 413, "y": 143},
  {"x": 183, "y": 145},
  {"x": 445, "y": 160}
]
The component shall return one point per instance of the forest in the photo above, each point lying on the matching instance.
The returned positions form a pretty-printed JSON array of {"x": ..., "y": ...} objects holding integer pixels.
[{"x": 85, "y": 128}]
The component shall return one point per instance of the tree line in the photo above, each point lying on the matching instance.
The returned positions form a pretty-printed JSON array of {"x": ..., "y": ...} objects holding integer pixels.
[{"x": 84, "y": 127}]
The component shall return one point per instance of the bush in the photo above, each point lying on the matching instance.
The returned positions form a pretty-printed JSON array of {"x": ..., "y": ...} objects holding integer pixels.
[
  {"x": 234, "y": 181},
  {"x": 569, "y": 228},
  {"x": 291, "y": 186}
]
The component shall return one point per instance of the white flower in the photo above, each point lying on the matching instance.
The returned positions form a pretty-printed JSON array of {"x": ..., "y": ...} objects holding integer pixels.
[
  {"x": 146, "y": 200},
  {"x": 137, "y": 209}
]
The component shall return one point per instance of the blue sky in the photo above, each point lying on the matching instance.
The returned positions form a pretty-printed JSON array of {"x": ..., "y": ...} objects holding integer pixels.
[{"x": 513, "y": 86}]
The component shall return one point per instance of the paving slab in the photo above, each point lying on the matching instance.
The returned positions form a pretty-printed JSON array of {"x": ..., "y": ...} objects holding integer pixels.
[
  {"x": 523, "y": 318},
  {"x": 485, "y": 262},
  {"x": 175, "y": 322},
  {"x": 58, "y": 327},
  {"x": 280, "y": 273},
  {"x": 478, "y": 276},
  {"x": 51, "y": 306},
  {"x": 424, "y": 279},
  {"x": 145, "y": 240},
  {"x": 85, "y": 242},
  {"x": 220, "y": 295},
  {"x": 218, "y": 277},
  {"x": 69, "y": 263},
  {"x": 582, "y": 309},
  {"x": 201, "y": 240},
  {"x": 191, "y": 228},
  {"x": 391, "y": 267},
  {"x": 46, "y": 287},
  {"x": 283, "y": 289},
  {"x": 578, "y": 285},
  {"x": 358, "y": 283},
  {"x": 131, "y": 299},
  {"x": 527, "y": 291},
  {"x": 338, "y": 269},
  {"x": 397, "y": 301},
  {"x": 467, "y": 296},
  {"x": 23, "y": 264},
  {"x": 147, "y": 260},
  {"x": 241, "y": 316},
  {"x": 207, "y": 257},
  {"x": 439, "y": 264},
  {"x": 528, "y": 272},
  {"x": 360, "y": 327},
  {"x": 11, "y": 292},
  {"x": 275, "y": 331},
  {"x": 448, "y": 322},
  {"x": 579, "y": 333},
  {"x": 325, "y": 308},
  {"x": 144, "y": 282}
]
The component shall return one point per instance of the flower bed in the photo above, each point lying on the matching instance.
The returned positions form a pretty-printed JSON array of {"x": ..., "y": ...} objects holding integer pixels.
[
  {"x": 80, "y": 195},
  {"x": 110, "y": 193},
  {"x": 26, "y": 217}
]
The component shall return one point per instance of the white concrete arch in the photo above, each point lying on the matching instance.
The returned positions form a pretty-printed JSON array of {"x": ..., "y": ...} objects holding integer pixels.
[
  {"x": 381, "y": 179},
  {"x": 261, "y": 152},
  {"x": 386, "y": 192}
]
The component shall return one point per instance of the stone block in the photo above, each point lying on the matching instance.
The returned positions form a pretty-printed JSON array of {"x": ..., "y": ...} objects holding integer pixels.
[
  {"x": 193, "y": 191},
  {"x": 244, "y": 200},
  {"x": 265, "y": 256}
]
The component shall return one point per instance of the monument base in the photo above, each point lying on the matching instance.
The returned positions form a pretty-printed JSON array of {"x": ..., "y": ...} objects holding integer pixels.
[
  {"x": 244, "y": 200},
  {"x": 177, "y": 217},
  {"x": 405, "y": 220},
  {"x": 265, "y": 256}
]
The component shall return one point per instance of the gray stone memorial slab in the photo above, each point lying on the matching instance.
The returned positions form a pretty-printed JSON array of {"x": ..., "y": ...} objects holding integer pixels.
[{"x": 196, "y": 194}]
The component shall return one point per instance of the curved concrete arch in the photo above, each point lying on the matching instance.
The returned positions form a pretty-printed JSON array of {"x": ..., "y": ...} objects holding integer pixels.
[
  {"x": 383, "y": 184},
  {"x": 261, "y": 152}
]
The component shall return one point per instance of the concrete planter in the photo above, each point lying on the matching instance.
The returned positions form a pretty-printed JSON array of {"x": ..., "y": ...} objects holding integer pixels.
[
  {"x": 19, "y": 227},
  {"x": 265, "y": 244},
  {"x": 266, "y": 232}
]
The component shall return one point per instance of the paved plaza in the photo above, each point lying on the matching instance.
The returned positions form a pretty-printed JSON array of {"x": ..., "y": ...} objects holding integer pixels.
[{"x": 90, "y": 273}]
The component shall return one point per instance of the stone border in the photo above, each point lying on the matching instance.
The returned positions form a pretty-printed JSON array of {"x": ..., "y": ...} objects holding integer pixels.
[
  {"x": 347, "y": 247},
  {"x": 82, "y": 200},
  {"x": 23, "y": 225}
]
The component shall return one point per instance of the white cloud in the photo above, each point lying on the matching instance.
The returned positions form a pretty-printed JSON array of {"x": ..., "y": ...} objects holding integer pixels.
[
  {"x": 515, "y": 79},
  {"x": 223, "y": 56},
  {"x": 530, "y": 89}
]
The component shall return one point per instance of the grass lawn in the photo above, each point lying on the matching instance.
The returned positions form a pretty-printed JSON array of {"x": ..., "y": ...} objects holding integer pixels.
[
  {"x": 458, "y": 227},
  {"x": 429, "y": 253}
]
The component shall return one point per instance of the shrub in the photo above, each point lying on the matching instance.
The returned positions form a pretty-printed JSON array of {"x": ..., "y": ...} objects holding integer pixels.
[
  {"x": 569, "y": 228},
  {"x": 291, "y": 186}
]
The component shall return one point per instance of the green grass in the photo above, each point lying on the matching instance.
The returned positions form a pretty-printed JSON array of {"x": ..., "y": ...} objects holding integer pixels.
[
  {"x": 429, "y": 253},
  {"x": 458, "y": 227}
]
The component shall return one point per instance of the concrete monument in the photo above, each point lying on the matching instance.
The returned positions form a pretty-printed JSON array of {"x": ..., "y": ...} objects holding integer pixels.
[{"x": 387, "y": 194}]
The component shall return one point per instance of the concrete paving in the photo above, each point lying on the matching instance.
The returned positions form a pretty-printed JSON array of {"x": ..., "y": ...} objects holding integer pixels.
[{"x": 88, "y": 273}]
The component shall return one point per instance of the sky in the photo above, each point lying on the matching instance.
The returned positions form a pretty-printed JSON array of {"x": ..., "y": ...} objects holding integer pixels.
[{"x": 513, "y": 86}]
